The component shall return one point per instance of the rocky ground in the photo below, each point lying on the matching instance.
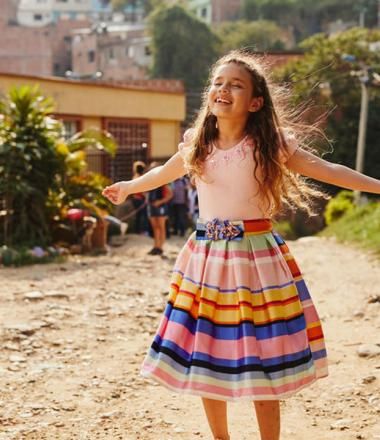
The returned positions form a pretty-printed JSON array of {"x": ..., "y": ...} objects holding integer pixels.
[{"x": 73, "y": 336}]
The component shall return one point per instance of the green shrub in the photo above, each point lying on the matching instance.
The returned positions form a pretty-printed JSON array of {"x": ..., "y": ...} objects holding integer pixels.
[
  {"x": 285, "y": 229},
  {"x": 338, "y": 206},
  {"x": 21, "y": 256},
  {"x": 360, "y": 225},
  {"x": 42, "y": 175}
]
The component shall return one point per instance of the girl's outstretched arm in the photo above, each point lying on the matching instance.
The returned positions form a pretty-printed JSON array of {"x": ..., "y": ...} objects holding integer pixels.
[
  {"x": 159, "y": 176},
  {"x": 309, "y": 165}
]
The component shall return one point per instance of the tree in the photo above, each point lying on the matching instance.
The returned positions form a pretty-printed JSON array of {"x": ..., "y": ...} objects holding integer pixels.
[
  {"x": 308, "y": 17},
  {"x": 183, "y": 47},
  {"x": 29, "y": 164},
  {"x": 275, "y": 10},
  {"x": 323, "y": 68},
  {"x": 259, "y": 35},
  {"x": 148, "y": 5},
  {"x": 35, "y": 162}
]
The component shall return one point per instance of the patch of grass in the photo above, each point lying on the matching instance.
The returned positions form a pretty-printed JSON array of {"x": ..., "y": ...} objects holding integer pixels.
[
  {"x": 22, "y": 256},
  {"x": 285, "y": 229},
  {"x": 359, "y": 226}
]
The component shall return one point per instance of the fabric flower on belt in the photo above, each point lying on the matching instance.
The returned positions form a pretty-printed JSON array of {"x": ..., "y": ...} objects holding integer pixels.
[{"x": 221, "y": 230}]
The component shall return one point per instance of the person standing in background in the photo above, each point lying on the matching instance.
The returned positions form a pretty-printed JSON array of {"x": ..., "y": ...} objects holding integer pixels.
[
  {"x": 192, "y": 196},
  {"x": 139, "y": 201},
  {"x": 158, "y": 211},
  {"x": 179, "y": 204}
]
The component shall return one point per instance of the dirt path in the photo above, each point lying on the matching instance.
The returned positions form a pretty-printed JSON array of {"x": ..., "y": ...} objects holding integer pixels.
[{"x": 71, "y": 352}]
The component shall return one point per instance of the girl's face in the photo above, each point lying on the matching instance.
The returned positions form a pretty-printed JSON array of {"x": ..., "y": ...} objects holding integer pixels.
[{"x": 231, "y": 93}]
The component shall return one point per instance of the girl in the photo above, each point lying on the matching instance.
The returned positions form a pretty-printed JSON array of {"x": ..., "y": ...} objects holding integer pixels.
[{"x": 239, "y": 322}]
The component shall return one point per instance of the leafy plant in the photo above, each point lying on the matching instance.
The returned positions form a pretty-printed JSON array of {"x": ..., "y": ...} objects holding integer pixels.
[
  {"x": 22, "y": 256},
  {"x": 360, "y": 225},
  {"x": 323, "y": 77},
  {"x": 80, "y": 186},
  {"x": 257, "y": 35},
  {"x": 338, "y": 206},
  {"x": 41, "y": 174},
  {"x": 29, "y": 165}
]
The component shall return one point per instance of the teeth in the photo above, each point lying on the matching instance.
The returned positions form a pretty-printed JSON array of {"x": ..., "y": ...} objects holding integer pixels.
[{"x": 223, "y": 101}]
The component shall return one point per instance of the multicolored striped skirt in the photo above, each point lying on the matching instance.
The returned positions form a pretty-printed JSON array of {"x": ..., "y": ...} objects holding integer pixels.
[{"x": 239, "y": 322}]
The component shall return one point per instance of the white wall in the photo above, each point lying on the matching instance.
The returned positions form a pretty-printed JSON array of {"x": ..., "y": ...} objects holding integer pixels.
[
  {"x": 34, "y": 12},
  {"x": 42, "y": 12}
]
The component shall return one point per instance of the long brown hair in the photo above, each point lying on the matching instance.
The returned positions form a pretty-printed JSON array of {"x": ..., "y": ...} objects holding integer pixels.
[{"x": 278, "y": 186}]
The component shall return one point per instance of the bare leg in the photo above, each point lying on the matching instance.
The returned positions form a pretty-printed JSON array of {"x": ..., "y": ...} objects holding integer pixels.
[
  {"x": 162, "y": 226},
  {"x": 216, "y": 412},
  {"x": 156, "y": 232},
  {"x": 268, "y": 418}
]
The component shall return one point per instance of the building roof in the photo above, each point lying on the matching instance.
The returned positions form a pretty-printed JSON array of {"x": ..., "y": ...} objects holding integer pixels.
[
  {"x": 111, "y": 27},
  {"x": 174, "y": 86}
]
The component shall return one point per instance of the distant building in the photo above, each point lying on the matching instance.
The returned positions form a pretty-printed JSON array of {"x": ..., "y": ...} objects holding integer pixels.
[
  {"x": 22, "y": 50},
  {"x": 335, "y": 27},
  {"x": 38, "y": 13},
  {"x": 120, "y": 51},
  {"x": 134, "y": 114},
  {"x": 9, "y": 11},
  {"x": 61, "y": 44},
  {"x": 42, "y": 50},
  {"x": 117, "y": 49},
  {"x": 216, "y": 11},
  {"x": 134, "y": 12},
  {"x": 279, "y": 59},
  {"x": 37, "y": 50}
]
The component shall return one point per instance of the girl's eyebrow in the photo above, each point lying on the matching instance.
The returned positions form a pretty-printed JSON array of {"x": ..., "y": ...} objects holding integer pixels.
[{"x": 232, "y": 79}]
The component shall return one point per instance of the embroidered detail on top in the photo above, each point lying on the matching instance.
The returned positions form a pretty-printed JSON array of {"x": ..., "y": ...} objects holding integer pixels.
[{"x": 236, "y": 153}]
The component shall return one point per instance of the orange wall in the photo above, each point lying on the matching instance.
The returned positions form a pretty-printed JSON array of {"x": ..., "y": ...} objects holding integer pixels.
[{"x": 91, "y": 102}]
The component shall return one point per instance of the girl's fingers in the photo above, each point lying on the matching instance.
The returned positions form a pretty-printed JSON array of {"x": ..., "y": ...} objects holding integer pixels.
[
  {"x": 188, "y": 134},
  {"x": 111, "y": 193},
  {"x": 109, "y": 190}
]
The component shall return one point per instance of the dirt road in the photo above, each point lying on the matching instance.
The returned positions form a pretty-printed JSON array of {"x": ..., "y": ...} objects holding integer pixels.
[{"x": 73, "y": 337}]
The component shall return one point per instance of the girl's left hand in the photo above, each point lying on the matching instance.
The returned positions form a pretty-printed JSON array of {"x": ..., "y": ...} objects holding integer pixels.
[{"x": 156, "y": 204}]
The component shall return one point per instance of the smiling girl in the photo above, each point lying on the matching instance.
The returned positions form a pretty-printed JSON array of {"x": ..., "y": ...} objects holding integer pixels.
[{"x": 239, "y": 322}]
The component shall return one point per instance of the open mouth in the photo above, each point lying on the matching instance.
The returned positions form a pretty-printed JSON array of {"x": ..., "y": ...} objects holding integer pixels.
[{"x": 222, "y": 101}]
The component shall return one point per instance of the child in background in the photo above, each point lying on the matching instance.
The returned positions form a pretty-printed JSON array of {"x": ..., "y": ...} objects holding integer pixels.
[
  {"x": 192, "y": 196},
  {"x": 158, "y": 211},
  {"x": 139, "y": 201},
  {"x": 179, "y": 206},
  {"x": 240, "y": 322}
]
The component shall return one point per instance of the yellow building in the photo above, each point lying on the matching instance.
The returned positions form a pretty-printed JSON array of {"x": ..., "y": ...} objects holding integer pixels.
[{"x": 145, "y": 116}]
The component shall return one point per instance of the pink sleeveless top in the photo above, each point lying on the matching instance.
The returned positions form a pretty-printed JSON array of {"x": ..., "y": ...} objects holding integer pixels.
[{"x": 228, "y": 189}]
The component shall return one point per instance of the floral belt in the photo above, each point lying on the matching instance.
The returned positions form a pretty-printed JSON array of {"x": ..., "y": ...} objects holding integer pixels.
[
  {"x": 220, "y": 230},
  {"x": 217, "y": 229}
]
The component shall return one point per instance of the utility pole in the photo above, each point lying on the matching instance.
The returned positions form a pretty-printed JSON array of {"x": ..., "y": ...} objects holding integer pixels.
[
  {"x": 362, "y": 127},
  {"x": 367, "y": 78},
  {"x": 360, "y": 149},
  {"x": 362, "y": 13}
]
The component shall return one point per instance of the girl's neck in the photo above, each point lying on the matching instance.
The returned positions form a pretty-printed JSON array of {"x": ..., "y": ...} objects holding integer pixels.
[{"x": 230, "y": 133}]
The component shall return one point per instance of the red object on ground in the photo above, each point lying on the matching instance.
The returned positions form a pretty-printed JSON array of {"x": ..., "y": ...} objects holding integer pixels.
[{"x": 76, "y": 214}]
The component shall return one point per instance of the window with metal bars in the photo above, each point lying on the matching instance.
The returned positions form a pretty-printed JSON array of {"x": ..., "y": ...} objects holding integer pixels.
[{"x": 132, "y": 138}]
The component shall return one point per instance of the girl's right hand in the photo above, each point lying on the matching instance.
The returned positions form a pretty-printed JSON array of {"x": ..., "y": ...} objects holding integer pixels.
[
  {"x": 117, "y": 193},
  {"x": 187, "y": 138}
]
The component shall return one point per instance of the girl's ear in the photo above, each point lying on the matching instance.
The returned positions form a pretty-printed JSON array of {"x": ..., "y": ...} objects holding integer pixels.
[{"x": 256, "y": 104}]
